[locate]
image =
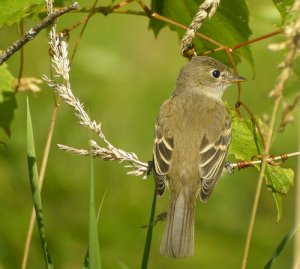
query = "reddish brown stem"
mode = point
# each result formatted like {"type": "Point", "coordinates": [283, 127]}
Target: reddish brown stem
{"type": "Point", "coordinates": [122, 4]}
{"type": "Point", "coordinates": [256, 39]}
{"type": "Point", "coordinates": [154, 15]}
{"type": "Point", "coordinates": [94, 10]}
{"type": "Point", "coordinates": [83, 29]}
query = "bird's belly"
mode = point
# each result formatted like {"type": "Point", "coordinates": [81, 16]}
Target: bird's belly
{"type": "Point", "coordinates": [184, 172]}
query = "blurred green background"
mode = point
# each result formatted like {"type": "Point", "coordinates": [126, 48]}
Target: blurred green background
{"type": "Point", "coordinates": [122, 74]}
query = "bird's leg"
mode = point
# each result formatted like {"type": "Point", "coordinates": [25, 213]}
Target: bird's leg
{"type": "Point", "coordinates": [150, 167]}
{"type": "Point", "coordinates": [229, 167]}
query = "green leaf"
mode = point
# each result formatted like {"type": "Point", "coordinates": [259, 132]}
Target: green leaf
{"type": "Point", "coordinates": [229, 26]}
{"type": "Point", "coordinates": [34, 183]}
{"type": "Point", "coordinates": [279, 180]}
{"type": "Point", "coordinates": [281, 246]}
{"type": "Point", "coordinates": [94, 249]}
{"type": "Point", "coordinates": [6, 81]}
{"type": "Point", "coordinates": [7, 99]}
{"type": "Point", "coordinates": [284, 7]}
{"type": "Point", "coordinates": [86, 258]}
{"type": "Point", "coordinates": [246, 144]}
{"type": "Point", "coordinates": [12, 11]}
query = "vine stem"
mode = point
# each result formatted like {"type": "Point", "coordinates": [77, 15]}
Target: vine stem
{"type": "Point", "coordinates": [287, 64]}
{"type": "Point", "coordinates": [259, 184]}
{"type": "Point", "coordinates": [296, 259]}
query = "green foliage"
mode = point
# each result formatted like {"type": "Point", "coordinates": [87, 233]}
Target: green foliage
{"type": "Point", "coordinates": [243, 145]}
{"type": "Point", "coordinates": [281, 246]}
{"type": "Point", "coordinates": [229, 26]}
{"type": "Point", "coordinates": [7, 99]}
{"type": "Point", "coordinates": [246, 144]}
{"type": "Point", "coordinates": [6, 81]}
{"type": "Point", "coordinates": [284, 7]}
{"type": "Point", "coordinates": [34, 183]}
{"type": "Point", "coordinates": [279, 180]}
{"type": "Point", "coordinates": [12, 11]}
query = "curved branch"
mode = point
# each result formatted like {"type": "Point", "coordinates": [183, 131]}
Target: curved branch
{"type": "Point", "coordinates": [32, 32]}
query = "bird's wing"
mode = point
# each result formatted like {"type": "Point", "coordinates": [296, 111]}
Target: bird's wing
{"type": "Point", "coordinates": [213, 150]}
{"type": "Point", "coordinates": [162, 149]}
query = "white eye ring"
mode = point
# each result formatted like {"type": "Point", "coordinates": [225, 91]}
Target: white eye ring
{"type": "Point", "coordinates": [216, 73]}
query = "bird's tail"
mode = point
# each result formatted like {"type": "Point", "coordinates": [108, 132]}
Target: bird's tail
{"type": "Point", "coordinates": [178, 239]}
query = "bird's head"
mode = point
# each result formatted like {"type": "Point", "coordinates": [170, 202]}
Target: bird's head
{"type": "Point", "coordinates": [206, 75]}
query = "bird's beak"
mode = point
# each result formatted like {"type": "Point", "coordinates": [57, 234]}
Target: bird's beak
{"type": "Point", "coordinates": [236, 78]}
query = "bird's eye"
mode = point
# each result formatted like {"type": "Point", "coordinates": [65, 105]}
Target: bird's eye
{"type": "Point", "coordinates": [216, 73]}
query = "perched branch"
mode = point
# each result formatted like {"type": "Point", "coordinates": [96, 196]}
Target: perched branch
{"type": "Point", "coordinates": [207, 9]}
{"type": "Point", "coordinates": [270, 160]}
{"type": "Point", "coordinates": [32, 33]}
{"type": "Point", "coordinates": [61, 65]}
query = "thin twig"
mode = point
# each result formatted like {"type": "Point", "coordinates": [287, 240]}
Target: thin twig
{"type": "Point", "coordinates": [292, 32]}
{"type": "Point", "coordinates": [104, 10]}
{"type": "Point", "coordinates": [122, 4]}
{"type": "Point", "coordinates": [246, 43]}
{"type": "Point", "coordinates": [32, 33]}
{"type": "Point", "coordinates": [270, 159]}
{"type": "Point", "coordinates": [82, 30]}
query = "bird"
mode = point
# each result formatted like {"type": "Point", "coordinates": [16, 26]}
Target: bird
{"type": "Point", "coordinates": [192, 136]}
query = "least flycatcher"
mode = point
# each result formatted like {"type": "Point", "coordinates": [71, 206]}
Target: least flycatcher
{"type": "Point", "coordinates": [192, 136]}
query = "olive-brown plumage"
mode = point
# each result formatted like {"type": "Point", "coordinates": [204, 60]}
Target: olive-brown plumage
{"type": "Point", "coordinates": [192, 136]}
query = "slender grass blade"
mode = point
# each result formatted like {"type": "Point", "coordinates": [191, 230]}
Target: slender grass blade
{"type": "Point", "coordinates": [36, 195]}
